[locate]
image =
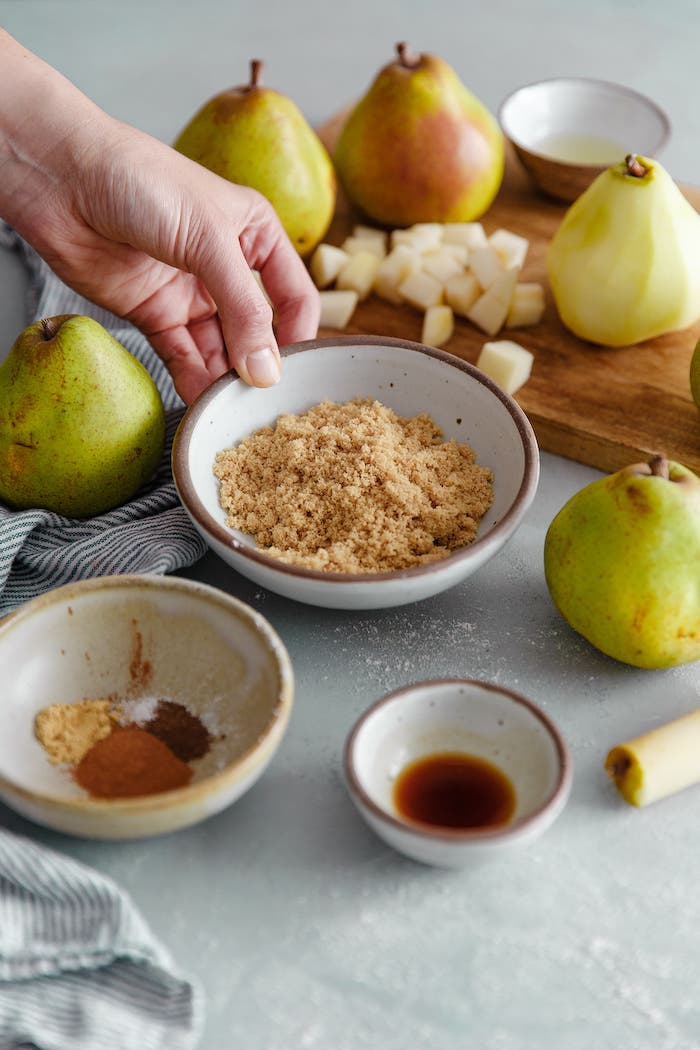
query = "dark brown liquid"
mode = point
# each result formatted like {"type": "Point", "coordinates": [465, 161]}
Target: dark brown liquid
{"type": "Point", "coordinates": [454, 790]}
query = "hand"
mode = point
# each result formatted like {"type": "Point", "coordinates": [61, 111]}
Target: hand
{"type": "Point", "coordinates": [153, 237]}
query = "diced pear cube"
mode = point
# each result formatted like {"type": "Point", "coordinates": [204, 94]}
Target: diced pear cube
{"type": "Point", "coordinates": [421, 290]}
{"type": "Point", "coordinates": [337, 307]}
{"type": "Point", "coordinates": [511, 247]}
{"type": "Point", "coordinates": [394, 269]}
{"type": "Point", "coordinates": [470, 234]}
{"type": "Point", "coordinates": [441, 264]}
{"type": "Point", "coordinates": [457, 251]}
{"type": "Point", "coordinates": [485, 263]}
{"type": "Point", "coordinates": [507, 363]}
{"type": "Point", "coordinates": [461, 292]}
{"type": "Point", "coordinates": [438, 325]}
{"type": "Point", "coordinates": [491, 308]}
{"type": "Point", "coordinates": [527, 307]}
{"type": "Point", "coordinates": [421, 235]}
{"type": "Point", "coordinates": [358, 273]}
{"type": "Point", "coordinates": [370, 233]}
{"type": "Point", "coordinates": [355, 245]}
{"type": "Point", "coordinates": [326, 263]}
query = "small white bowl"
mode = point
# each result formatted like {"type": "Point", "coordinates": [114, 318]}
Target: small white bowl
{"type": "Point", "coordinates": [410, 379]}
{"type": "Point", "coordinates": [566, 130]}
{"type": "Point", "coordinates": [457, 715]}
{"type": "Point", "coordinates": [134, 637]}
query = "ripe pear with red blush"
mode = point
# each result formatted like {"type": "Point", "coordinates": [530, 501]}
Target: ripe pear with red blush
{"type": "Point", "coordinates": [419, 146]}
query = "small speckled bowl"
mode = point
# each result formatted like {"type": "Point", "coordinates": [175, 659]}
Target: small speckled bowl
{"type": "Point", "coordinates": [137, 637]}
{"type": "Point", "coordinates": [457, 715]}
{"type": "Point", "coordinates": [410, 379]}
{"type": "Point", "coordinates": [547, 120]}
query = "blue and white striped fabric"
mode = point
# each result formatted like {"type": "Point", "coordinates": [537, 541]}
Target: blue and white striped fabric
{"type": "Point", "coordinates": [79, 967]}
{"type": "Point", "coordinates": [40, 550]}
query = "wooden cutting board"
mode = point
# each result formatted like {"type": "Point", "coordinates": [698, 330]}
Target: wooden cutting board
{"type": "Point", "coordinates": [602, 407]}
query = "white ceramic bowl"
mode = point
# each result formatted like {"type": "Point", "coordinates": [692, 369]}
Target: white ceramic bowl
{"type": "Point", "coordinates": [457, 715]}
{"type": "Point", "coordinates": [567, 130]}
{"type": "Point", "coordinates": [131, 637]}
{"type": "Point", "coordinates": [410, 379]}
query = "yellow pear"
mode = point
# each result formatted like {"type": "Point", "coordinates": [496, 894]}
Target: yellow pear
{"type": "Point", "coordinates": [257, 137]}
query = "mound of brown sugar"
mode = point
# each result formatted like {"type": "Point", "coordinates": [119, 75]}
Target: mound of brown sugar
{"type": "Point", "coordinates": [354, 488]}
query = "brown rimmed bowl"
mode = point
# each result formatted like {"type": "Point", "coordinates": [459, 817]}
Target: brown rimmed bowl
{"type": "Point", "coordinates": [474, 718]}
{"type": "Point", "coordinates": [132, 638]}
{"type": "Point", "coordinates": [410, 379]}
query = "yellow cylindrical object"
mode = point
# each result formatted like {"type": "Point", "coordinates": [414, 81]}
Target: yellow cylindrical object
{"type": "Point", "coordinates": [659, 763]}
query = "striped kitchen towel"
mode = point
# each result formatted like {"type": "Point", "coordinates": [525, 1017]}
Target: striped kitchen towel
{"type": "Point", "coordinates": [40, 550]}
{"type": "Point", "coordinates": [79, 967]}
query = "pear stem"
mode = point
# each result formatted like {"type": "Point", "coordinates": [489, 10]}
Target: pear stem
{"type": "Point", "coordinates": [634, 166]}
{"type": "Point", "coordinates": [406, 57]}
{"type": "Point", "coordinates": [256, 68]}
{"type": "Point", "coordinates": [659, 467]}
{"type": "Point", "coordinates": [48, 328]}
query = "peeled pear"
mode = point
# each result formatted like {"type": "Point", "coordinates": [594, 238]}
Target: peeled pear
{"type": "Point", "coordinates": [624, 265]}
{"type": "Point", "coordinates": [622, 564]}
{"type": "Point", "coordinates": [82, 425]}
{"type": "Point", "coordinates": [695, 375]}
{"type": "Point", "coordinates": [420, 147]}
{"type": "Point", "coordinates": [659, 763]}
{"type": "Point", "coordinates": [257, 137]}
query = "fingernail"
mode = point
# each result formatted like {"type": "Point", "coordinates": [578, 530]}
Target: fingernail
{"type": "Point", "coordinates": [263, 367]}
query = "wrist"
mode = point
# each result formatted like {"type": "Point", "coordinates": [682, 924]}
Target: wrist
{"type": "Point", "coordinates": [43, 124]}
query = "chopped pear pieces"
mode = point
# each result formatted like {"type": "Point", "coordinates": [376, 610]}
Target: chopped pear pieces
{"type": "Point", "coordinates": [485, 263]}
{"type": "Point", "coordinates": [358, 273]}
{"type": "Point", "coordinates": [490, 310]}
{"type": "Point", "coordinates": [507, 363]}
{"type": "Point", "coordinates": [399, 264]}
{"type": "Point", "coordinates": [453, 265]}
{"type": "Point", "coordinates": [470, 234]}
{"type": "Point", "coordinates": [438, 325]}
{"type": "Point", "coordinates": [326, 263]}
{"type": "Point", "coordinates": [527, 305]}
{"type": "Point", "coordinates": [659, 763]}
{"type": "Point", "coordinates": [421, 290]}
{"type": "Point", "coordinates": [354, 245]}
{"type": "Point", "coordinates": [511, 248]}
{"type": "Point", "coordinates": [461, 292]}
{"type": "Point", "coordinates": [337, 307]}
{"type": "Point", "coordinates": [442, 264]}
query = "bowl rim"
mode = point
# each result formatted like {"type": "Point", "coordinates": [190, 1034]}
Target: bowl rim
{"type": "Point", "coordinates": [459, 836]}
{"type": "Point", "coordinates": [211, 527]}
{"type": "Point", "coordinates": [614, 86]}
{"type": "Point", "coordinates": [245, 763]}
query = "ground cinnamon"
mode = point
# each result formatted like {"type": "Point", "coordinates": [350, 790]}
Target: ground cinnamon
{"type": "Point", "coordinates": [128, 763]}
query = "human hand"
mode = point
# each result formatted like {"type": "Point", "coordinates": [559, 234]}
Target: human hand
{"type": "Point", "coordinates": [153, 237]}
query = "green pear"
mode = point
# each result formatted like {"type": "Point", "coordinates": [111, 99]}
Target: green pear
{"type": "Point", "coordinates": [420, 147]}
{"type": "Point", "coordinates": [82, 425]}
{"type": "Point", "coordinates": [695, 375]}
{"type": "Point", "coordinates": [622, 564]}
{"type": "Point", "coordinates": [624, 264]}
{"type": "Point", "coordinates": [256, 137]}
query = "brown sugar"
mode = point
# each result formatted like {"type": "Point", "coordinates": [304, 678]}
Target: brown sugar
{"type": "Point", "coordinates": [354, 488]}
{"type": "Point", "coordinates": [68, 731]}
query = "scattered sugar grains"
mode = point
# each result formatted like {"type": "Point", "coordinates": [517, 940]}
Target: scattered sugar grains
{"type": "Point", "coordinates": [354, 488]}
